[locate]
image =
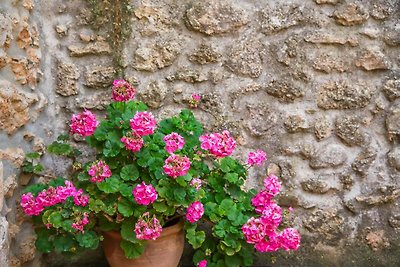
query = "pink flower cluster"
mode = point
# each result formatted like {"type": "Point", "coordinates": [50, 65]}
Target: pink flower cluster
{"type": "Point", "coordinates": [194, 212]}
{"type": "Point", "coordinates": [123, 91]}
{"type": "Point", "coordinates": [81, 222]}
{"type": "Point", "coordinates": [132, 141]}
{"type": "Point", "coordinates": [84, 124]}
{"type": "Point", "coordinates": [147, 228]}
{"type": "Point", "coordinates": [256, 158]}
{"type": "Point", "coordinates": [143, 123]}
{"type": "Point", "coordinates": [99, 171]}
{"type": "Point", "coordinates": [52, 196]}
{"type": "Point", "coordinates": [196, 183]}
{"type": "Point", "coordinates": [262, 231]}
{"type": "Point", "coordinates": [176, 165]}
{"type": "Point", "coordinates": [144, 194]}
{"type": "Point", "coordinates": [218, 144]}
{"type": "Point", "coordinates": [173, 142]}
{"type": "Point", "coordinates": [202, 263]}
{"type": "Point", "coordinates": [263, 199]}
{"type": "Point", "coordinates": [194, 102]}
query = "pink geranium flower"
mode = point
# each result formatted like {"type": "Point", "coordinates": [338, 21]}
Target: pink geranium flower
{"type": "Point", "coordinates": [132, 141]}
{"type": "Point", "coordinates": [173, 142]}
{"type": "Point", "coordinates": [194, 212]}
{"type": "Point", "coordinates": [99, 171]}
{"type": "Point", "coordinates": [148, 228]}
{"type": "Point", "coordinates": [144, 194]}
{"type": "Point", "coordinates": [123, 91]}
{"type": "Point", "coordinates": [84, 124]}
{"type": "Point", "coordinates": [143, 123]}
{"type": "Point", "coordinates": [218, 144]}
{"type": "Point", "coordinates": [176, 165]}
{"type": "Point", "coordinates": [256, 158]}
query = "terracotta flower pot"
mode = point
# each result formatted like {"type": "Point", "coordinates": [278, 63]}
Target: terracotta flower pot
{"type": "Point", "coordinates": [165, 251]}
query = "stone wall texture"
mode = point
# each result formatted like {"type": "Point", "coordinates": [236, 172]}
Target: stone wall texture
{"type": "Point", "coordinates": [315, 83]}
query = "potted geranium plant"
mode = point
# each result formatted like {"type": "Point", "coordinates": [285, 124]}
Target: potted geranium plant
{"type": "Point", "coordinates": [149, 175]}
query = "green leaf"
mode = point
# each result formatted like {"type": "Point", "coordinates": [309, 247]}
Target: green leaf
{"type": "Point", "coordinates": [126, 190]}
{"type": "Point", "coordinates": [32, 155]}
{"type": "Point", "coordinates": [231, 177]}
{"type": "Point", "coordinates": [109, 185]}
{"type": "Point", "coordinates": [132, 250]}
{"type": "Point", "coordinates": [180, 194]}
{"type": "Point", "coordinates": [88, 240]}
{"type": "Point", "coordinates": [43, 242]}
{"type": "Point", "coordinates": [127, 231]}
{"type": "Point", "coordinates": [58, 148]}
{"type": "Point", "coordinates": [160, 206]}
{"type": "Point", "coordinates": [125, 207]}
{"type": "Point", "coordinates": [233, 261]}
{"type": "Point", "coordinates": [63, 243]}
{"type": "Point", "coordinates": [195, 238]}
{"type": "Point", "coordinates": [129, 172]}
{"type": "Point", "coordinates": [56, 219]}
{"type": "Point", "coordinates": [226, 205]}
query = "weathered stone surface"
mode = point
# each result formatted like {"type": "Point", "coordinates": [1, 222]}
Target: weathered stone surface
{"type": "Point", "coordinates": [4, 241]}
{"type": "Point", "coordinates": [295, 124]}
{"type": "Point", "coordinates": [15, 156]}
{"type": "Point", "coordinates": [350, 14]}
{"type": "Point", "coordinates": [27, 249]}
{"type": "Point", "coordinates": [377, 240]}
{"type": "Point", "coordinates": [61, 30]}
{"type": "Point", "coordinates": [289, 51]}
{"type": "Point", "coordinates": [393, 120]}
{"type": "Point", "coordinates": [154, 94]}
{"type": "Point", "coordinates": [329, 63]}
{"type": "Point", "coordinates": [2, 189]}
{"type": "Point", "coordinates": [25, 70]}
{"type": "Point", "coordinates": [97, 101]}
{"type": "Point", "coordinates": [348, 130]}
{"type": "Point", "coordinates": [205, 54]}
{"type": "Point", "coordinates": [391, 36]}
{"type": "Point", "coordinates": [342, 95]}
{"type": "Point", "coordinates": [328, 38]}
{"type": "Point", "coordinates": [259, 118]}
{"type": "Point", "coordinates": [3, 58]}
{"type": "Point", "coordinates": [10, 184]}
{"type": "Point", "coordinates": [372, 59]}
{"type": "Point", "coordinates": [245, 58]}
{"type": "Point", "coordinates": [329, 157]}
{"type": "Point", "coordinates": [95, 48]}
{"type": "Point", "coordinates": [347, 181]}
{"type": "Point", "coordinates": [391, 88]}
{"type": "Point", "coordinates": [5, 31]}
{"type": "Point", "coordinates": [387, 194]}
{"type": "Point", "coordinates": [215, 17]}
{"type": "Point", "coordinates": [315, 186]}
{"type": "Point", "coordinates": [394, 220]}
{"type": "Point", "coordinates": [381, 10]}
{"type": "Point", "coordinates": [160, 54]}
{"type": "Point", "coordinates": [99, 76]}
{"type": "Point", "coordinates": [326, 223]}
{"type": "Point", "coordinates": [282, 17]}
{"type": "Point", "coordinates": [323, 128]}
{"type": "Point", "coordinates": [14, 107]}
{"type": "Point", "coordinates": [363, 161]}
{"type": "Point", "coordinates": [331, 2]}
{"type": "Point", "coordinates": [188, 75]}
{"type": "Point", "coordinates": [67, 76]}
{"type": "Point", "coordinates": [394, 158]}
{"type": "Point", "coordinates": [285, 90]}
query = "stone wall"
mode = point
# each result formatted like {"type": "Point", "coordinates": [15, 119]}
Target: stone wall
{"type": "Point", "coordinates": [315, 83]}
